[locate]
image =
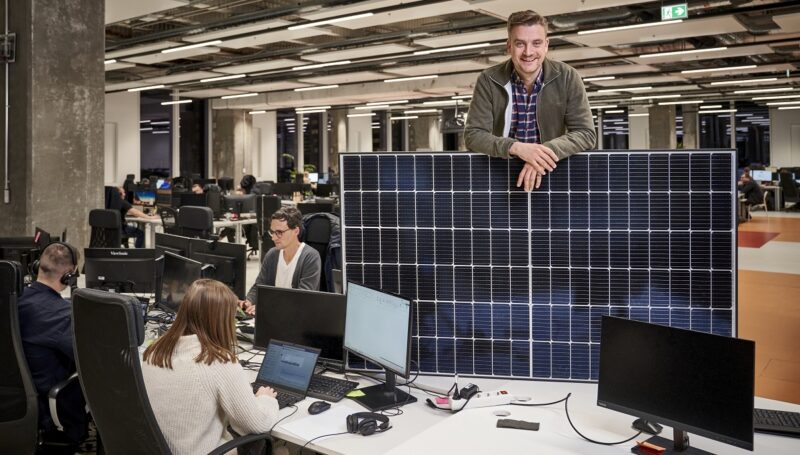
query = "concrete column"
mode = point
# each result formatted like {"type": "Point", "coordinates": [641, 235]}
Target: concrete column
{"type": "Point", "coordinates": [638, 128]}
{"type": "Point", "coordinates": [175, 128]}
{"type": "Point", "coordinates": [425, 133]}
{"type": "Point", "coordinates": [122, 137]}
{"type": "Point", "coordinates": [691, 127]}
{"type": "Point", "coordinates": [210, 140]}
{"type": "Point", "coordinates": [406, 135]}
{"type": "Point", "coordinates": [662, 127]}
{"type": "Point", "coordinates": [387, 131]}
{"type": "Point", "coordinates": [324, 142]}
{"type": "Point", "coordinates": [359, 133]}
{"type": "Point", "coordinates": [265, 145]}
{"type": "Point", "coordinates": [55, 137]}
{"type": "Point", "coordinates": [733, 124]}
{"type": "Point", "coordinates": [300, 149]}
{"type": "Point", "coordinates": [599, 120]}
{"type": "Point", "coordinates": [338, 136]}
{"type": "Point", "coordinates": [232, 143]}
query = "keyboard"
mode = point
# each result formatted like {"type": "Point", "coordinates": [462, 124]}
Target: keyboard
{"type": "Point", "coordinates": [284, 399]}
{"type": "Point", "coordinates": [784, 423]}
{"type": "Point", "coordinates": [328, 388]}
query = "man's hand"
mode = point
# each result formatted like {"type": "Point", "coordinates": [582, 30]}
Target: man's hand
{"type": "Point", "coordinates": [540, 157]}
{"type": "Point", "coordinates": [266, 391]}
{"type": "Point", "coordinates": [529, 178]}
{"type": "Point", "coordinates": [248, 307]}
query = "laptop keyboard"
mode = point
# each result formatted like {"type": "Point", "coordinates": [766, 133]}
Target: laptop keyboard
{"type": "Point", "coordinates": [284, 399]}
{"type": "Point", "coordinates": [328, 388]}
{"type": "Point", "coordinates": [782, 422]}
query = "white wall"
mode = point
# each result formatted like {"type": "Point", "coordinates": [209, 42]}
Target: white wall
{"type": "Point", "coordinates": [784, 147]}
{"type": "Point", "coordinates": [638, 129]}
{"type": "Point", "coordinates": [359, 133]}
{"type": "Point", "coordinates": [122, 147]}
{"type": "Point", "coordinates": [265, 146]}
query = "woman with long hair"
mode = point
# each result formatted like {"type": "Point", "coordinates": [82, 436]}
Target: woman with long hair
{"type": "Point", "coordinates": [194, 381]}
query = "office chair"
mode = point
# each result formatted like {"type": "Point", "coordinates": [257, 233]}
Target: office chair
{"type": "Point", "coordinates": [789, 189]}
{"type": "Point", "coordinates": [307, 208]}
{"type": "Point", "coordinates": [169, 220]}
{"type": "Point", "coordinates": [265, 206]}
{"type": "Point", "coordinates": [19, 406]}
{"type": "Point", "coordinates": [317, 234]}
{"type": "Point", "coordinates": [338, 285]}
{"type": "Point", "coordinates": [111, 374]}
{"type": "Point", "coordinates": [196, 222]}
{"type": "Point", "coordinates": [106, 227]}
{"type": "Point", "coordinates": [761, 205]}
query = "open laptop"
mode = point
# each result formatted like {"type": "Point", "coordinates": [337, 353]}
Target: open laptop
{"type": "Point", "coordinates": [287, 368]}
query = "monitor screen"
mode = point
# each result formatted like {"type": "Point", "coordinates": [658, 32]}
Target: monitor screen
{"type": "Point", "coordinates": [761, 176]}
{"type": "Point", "coordinates": [145, 198]}
{"type": "Point", "coordinates": [691, 381]}
{"type": "Point", "coordinates": [313, 177]}
{"type": "Point", "coordinates": [288, 365]}
{"type": "Point", "coordinates": [378, 326]}
{"type": "Point", "coordinates": [179, 274]}
{"type": "Point", "coordinates": [283, 314]}
{"type": "Point", "coordinates": [121, 269]}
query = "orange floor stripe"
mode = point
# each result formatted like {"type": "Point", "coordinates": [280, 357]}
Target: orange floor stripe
{"type": "Point", "coordinates": [754, 239]}
{"type": "Point", "coordinates": [789, 228]}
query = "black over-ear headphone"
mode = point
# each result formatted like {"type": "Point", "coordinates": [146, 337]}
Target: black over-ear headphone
{"type": "Point", "coordinates": [69, 277]}
{"type": "Point", "coordinates": [366, 423]}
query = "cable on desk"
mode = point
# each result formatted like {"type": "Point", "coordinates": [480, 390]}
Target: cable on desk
{"type": "Point", "coordinates": [283, 418]}
{"type": "Point", "coordinates": [566, 409]}
{"type": "Point", "coordinates": [319, 437]}
{"type": "Point", "coordinates": [539, 404]}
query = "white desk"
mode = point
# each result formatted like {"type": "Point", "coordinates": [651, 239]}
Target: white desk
{"type": "Point", "coordinates": [422, 430]}
{"type": "Point", "coordinates": [150, 226]}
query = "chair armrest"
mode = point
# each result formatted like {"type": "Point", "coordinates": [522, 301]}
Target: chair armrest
{"type": "Point", "coordinates": [240, 441]}
{"type": "Point", "coordinates": [52, 397]}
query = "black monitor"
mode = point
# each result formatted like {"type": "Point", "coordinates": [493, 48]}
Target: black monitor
{"type": "Point", "coordinates": [164, 198]}
{"type": "Point", "coordinates": [263, 188]}
{"type": "Point", "coordinates": [325, 189]}
{"type": "Point", "coordinates": [163, 184]}
{"type": "Point", "coordinates": [229, 261]}
{"type": "Point", "coordinates": [121, 269]}
{"type": "Point", "coordinates": [179, 273]}
{"type": "Point", "coordinates": [144, 198]}
{"type": "Point", "coordinates": [240, 203]}
{"type": "Point", "coordinates": [283, 189]}
{"type": "Point", "coordinates": [41, 239]}
{"type": "Point", "coordinates": [692, 381]}
{"type": "Point", "coordinates": [20, 249]}
{"type": "Point", "coordinates": [175, 244]}
{"type": "Point", "coordinates": [378, 328]}
{"type": "Point", "coordinates": [307, 208]}
{"type": "Point", "coordinates": [198, 200]}
{"type": "Point", "coordinates": [309, 318]}
{"type": "Point", "coordinates": [225, 183]}
{"type": "Point", "coordinates": [204, 182]}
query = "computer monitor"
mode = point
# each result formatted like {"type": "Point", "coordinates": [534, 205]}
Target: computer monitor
{"type": "Point", "coordinates": [225, 183]}
{"type": "Point", "coordinates": [20, 249]}
{"type": "Point", "coordinates": [179, 273]}
{"type": "Point", "coordinates": [121, 269]}
{"type": "Point", "coordinates": [204, 182]}
{"type": "Point", "coordinates": [378, 328]}
{"type": "Point", "coordinates": [198, 200]}
{"type": "Point", "coordinates": [175, 244]}
{"type": "Point", "coordinates": [283, 189]}
{"type": "Point", "coordinates": [692, 381]}
{"type": "Point", "coordinates": [313, 177]}
{"type": "Point", "coordinates": [284, 314]}
{"type": "Point", "coordinates": [240, 203]}
{"type": "Point", "coordinates": [144, 198]}
{"type": "Point", "coordinates": [307, 208]}
{"type": "Point", "coordinates": [761, 176]}
{"type": "Point", "coordinates": [325, 189]}
{"type": "Point", "coordinates": [229, 261]}
{"type": "Point", "coordinates": [41, 238]}
{"type": "Point", "coordinates": [163, 184]}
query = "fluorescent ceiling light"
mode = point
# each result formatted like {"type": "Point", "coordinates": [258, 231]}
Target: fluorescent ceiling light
{"type": "Point", "coordinates": [361, 108]}
{"type": "Point", "coordinates": [625, 89]}
{"type": "Point", "coordinates": [616, 111]}
{"type": "Point", "coordinates": [440, 103]}
{"type": "Point", "coordinates": [312, 108]}
{"type": "Point", "coordinates": [421, 111]}
{"type": "Point", "coordinates": [712, 70]}
{"type": "Point", "coordinates": [319, 87]}
{"type": "Point", "coordinates": [638, 115]}
{"type": "Point", "coordinates": [598, 78]}
{"type": "Point", "coordinates": [164, 122]}
{"type": "Point", "coordinates": [628, 27]}
{"type": "Point", "coordinates": [786, 108]}
{"type": "Point", "coordinates": [320, 65]}
{"type": "Point", "coordinates": [168, 103]}
{"type": "Point", "coordinates": [329, 21]}
{"type": "Point", "coordinates": [405, 117]}
{"type": "Point", "coordinates": [717, 111]}
{"type": "Point", "coordinates": [144, 121]}
{"type": "Point", "coordinates": [109, 62]}
{"type": "Point", "coordinates": [371, 114]}
{"type": "Point", "coordinates": [649, 97]}
{"type": "Point", "coordinates": [461, 97]}
{"type": "Point", "coordinates": [764, 90]}
{"type": "Point", "coordinates": [146, 129]}
{"type": "Point", "coordinates": [223, 78]}
{"type": "Point", "coordinates": [311, 112]}
{"type": "Point", "coordinates": [667, 103]}
{"type": "Point", "coordinates": [711, 106]}
{"type": "Point", "coordinates": [257, 112]}
{"type": "Point", "coordinates": [241, 95]}
{"type": "Point", "coordinates": [692, 51]}
{"type": "Point", "coordinates": [382, 103]}
{"type": "Point", "coordinates": [776, 97]}
{"type": "Point", "coordinates": [150, 87]}
{"type": "Point", "coordinates": [783, 103]}
{"type": "Point", "coordinates": [413, 78]}
{"type": "Point", "coordinates": [191, 46]}
{"type": "Point", "coordinates": [454, 48]}
{"type": "Point", "coordinates": [748, 81]}
{"type": "Point", "coordinates": [160, 132]}
{"type": "Point", "coordinates": [605, 106]}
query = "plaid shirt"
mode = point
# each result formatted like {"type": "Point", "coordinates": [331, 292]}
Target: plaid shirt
{"type": "Point", "coordinates": [523, 111]}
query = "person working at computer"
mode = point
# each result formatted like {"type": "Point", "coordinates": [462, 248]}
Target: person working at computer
{"type": "Point", "coordinates": [45, 321]}
{"type": "Point", "coordinates": [194, 382]}
{"type": "Point", "coordinates": [115, 200]}
{"type": "Point", "coordinates": [529, 107]}
{"type": "Point", "coordinates": [290, 263]}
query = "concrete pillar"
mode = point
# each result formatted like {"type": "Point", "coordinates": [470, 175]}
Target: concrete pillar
{"type": "Point", "coordinates": [387, 131]}
{"type": "Point", "coordinates": [599, 122]}
{"type": "Point", "coordinates": [175, 127]}
{"type": "Point", "coordinates": [733, 124]}
{"type": "Point", "coordinates": [359, 133]}
{"type": "Point", "coordinates": [406, 136]}
{"type": "Point", "coordinates": [638, 128]}
{"type": "Point", "coordinates": [231, 154]}
{"type": "Point", "coordinates": [55, 137]}
{"type": "Point", "coordinates": [265, 146]}
{"type": "Point", "coordinates": [300, 147]}
{"type": "Point", "coordinates": [691, 127]}
{"type": "Point", "coordinates": [324, 144]}
{"type": "Point", "coordinates": [425, 133]}
{"type": "Point", "coordinates": [338, 136]}
{"type": "Point", "coordinates": [662, 127]}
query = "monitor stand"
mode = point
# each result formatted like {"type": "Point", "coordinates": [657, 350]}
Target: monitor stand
{"type": "Point", "coordinates": [678, 446]}
{"type": "Point", "coordinates": [384, 396]}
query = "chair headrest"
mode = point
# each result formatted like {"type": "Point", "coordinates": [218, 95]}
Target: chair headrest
{"type": "Point", "coordinates": [196, 217]}
{"type": "Point", "coordinates": [131, 305]}
{"type": "Point", "coordinates": [105, 218]}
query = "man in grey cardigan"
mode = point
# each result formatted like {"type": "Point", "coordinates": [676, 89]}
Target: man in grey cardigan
{"type": "Point", "coordinates": [528, 106]}
{"type": "Point", "coordinates": [290, 263]}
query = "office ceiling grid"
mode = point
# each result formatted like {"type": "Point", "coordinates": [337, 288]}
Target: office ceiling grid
{"type": "Point", "coordinates": [512, 284]}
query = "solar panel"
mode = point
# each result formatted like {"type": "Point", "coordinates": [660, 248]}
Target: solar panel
{"type": "Point", "coordinates": [514, 284]}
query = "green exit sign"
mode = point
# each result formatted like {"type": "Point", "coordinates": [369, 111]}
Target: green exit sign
{"type": "Point", "coordinates": [674, 12]}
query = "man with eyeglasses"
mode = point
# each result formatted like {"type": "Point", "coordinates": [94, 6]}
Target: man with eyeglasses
{"type": "Point", "coordinates": [290, 263]}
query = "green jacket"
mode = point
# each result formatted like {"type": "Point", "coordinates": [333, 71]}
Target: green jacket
{"type": "Point", "coordinates": [562, 111]}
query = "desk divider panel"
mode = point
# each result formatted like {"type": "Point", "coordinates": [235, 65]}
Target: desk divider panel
{"type": "Point", "coordinates": [514, 284]}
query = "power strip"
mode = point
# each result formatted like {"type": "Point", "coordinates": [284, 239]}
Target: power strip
{"type": "Point", "coordinates": [482, 400]}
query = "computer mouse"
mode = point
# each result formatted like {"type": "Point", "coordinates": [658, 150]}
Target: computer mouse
{"type": "Point", "coordinates": [318, 406]}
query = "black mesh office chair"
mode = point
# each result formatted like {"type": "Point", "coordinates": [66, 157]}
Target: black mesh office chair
{"type": "Point", "coordinates": [789, 189]}
{"type": "Point", "coordinates": [196, 222]}
{"type": "Point", "coordinates": [19, 407]}
{"type": "Point", "coordinates": [265, 207]}
{"type": "Point", "coordinates": [317, 234]}
{"type": "Point", "coordinates": [111, 375]}
{"type": "Point", "coordinates": [169, 220]}
{"type": "Point", "coordinates": [106, 227]}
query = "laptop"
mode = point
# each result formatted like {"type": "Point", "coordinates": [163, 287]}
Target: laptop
{"type": "Point", "coordinates": [287, 368]}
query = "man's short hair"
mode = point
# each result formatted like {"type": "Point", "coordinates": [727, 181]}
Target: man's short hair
{"type": "Point", "coordinates": [291, 215]}
{"type": "Point", "coordinates": [528, 18]}
{"type": "Point", "coordinates": [57, 260]}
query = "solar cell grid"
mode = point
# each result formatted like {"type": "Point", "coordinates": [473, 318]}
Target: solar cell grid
{"type": "Point", "coordinates": [514, 284]}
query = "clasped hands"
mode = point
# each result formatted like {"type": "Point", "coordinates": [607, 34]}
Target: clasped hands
{"type": "Point", "coordinates": [538, 161]}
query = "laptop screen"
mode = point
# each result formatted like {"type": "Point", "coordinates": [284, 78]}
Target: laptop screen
{"type": "Point", "coordinates": [288, 366]}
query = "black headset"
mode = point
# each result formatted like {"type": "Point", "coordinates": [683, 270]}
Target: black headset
{"type": "Point", "coordinates": [366, 423]}
{"type": "Point", "coordinates": [68, 278]}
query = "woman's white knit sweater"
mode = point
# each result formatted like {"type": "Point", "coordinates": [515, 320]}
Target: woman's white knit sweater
{"type": "Point", "coordinates": [194, 402]}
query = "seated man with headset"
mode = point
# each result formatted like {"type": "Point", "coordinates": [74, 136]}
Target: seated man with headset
{"type": "Point", "coordinates": [45, 320]}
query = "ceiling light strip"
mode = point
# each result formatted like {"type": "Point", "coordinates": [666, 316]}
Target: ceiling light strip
{"type": "Point", "coordinates": [335, 20]}
{"type": "Point", "coordinates": [191, 46]}
{"type": "Point", "coordinates": [691, 51]}
{"type": "Point", "coordinates": [628, 27]}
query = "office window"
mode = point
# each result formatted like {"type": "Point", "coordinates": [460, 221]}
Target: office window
{"type": "Point", "coordinates": [287, 145]}
{"type": "Point", "coordinates": [155, 129]}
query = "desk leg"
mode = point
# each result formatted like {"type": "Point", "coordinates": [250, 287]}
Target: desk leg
{"type": "Point", "coordinates": [150, 238]}
{"type": "Point", "coordinates": [238, 228]}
